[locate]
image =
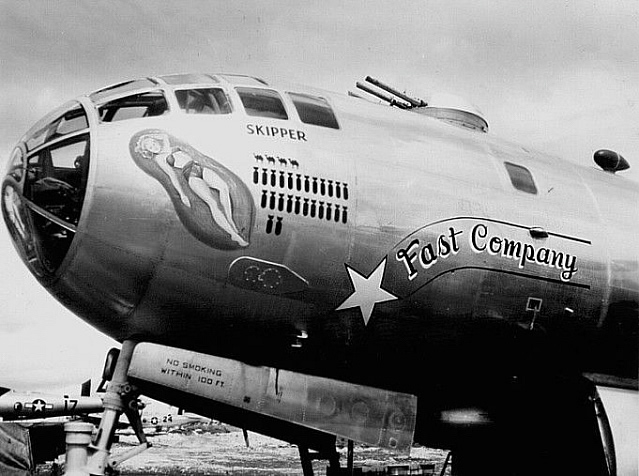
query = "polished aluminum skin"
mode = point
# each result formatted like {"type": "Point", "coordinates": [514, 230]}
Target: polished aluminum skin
{"type": "Point", "coordinates": [365, 249]}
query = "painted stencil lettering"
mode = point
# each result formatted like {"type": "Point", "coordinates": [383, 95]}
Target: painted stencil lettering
{"type": "Point", "coordinates": [275, 132]}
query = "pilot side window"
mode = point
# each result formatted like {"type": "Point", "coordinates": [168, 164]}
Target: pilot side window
{"type": "Point", "coordinates": [134, 107]}
{"type": "Point", "coordinates": [262, 103]}
{"type": "Point", "coordinates": [203, 101]}
{"type": "Point", "coordinates": [314, 110]}
{"type": "Point", "coordinates": [521, 178]}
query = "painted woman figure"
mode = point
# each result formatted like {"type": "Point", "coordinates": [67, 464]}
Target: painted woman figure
{"type": "Point", "coordinates": [203, 181]}
{"type": "Point", "coordinates": [158, 147]}
{"type": "Point", "coordinates": [213, 203]}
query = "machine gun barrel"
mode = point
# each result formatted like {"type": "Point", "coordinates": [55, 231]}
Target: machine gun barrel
{"type": "Point", "coordinates": [392, 101]}
{"type": "Point", "coordinates": [412, 101]}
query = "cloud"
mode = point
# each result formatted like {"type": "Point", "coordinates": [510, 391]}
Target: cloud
{"type": "Point", "coordinates": [52, 355]}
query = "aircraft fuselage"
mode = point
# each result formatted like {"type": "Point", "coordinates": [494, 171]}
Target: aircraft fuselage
{"type": "Point", "coordinates": [378, 246]}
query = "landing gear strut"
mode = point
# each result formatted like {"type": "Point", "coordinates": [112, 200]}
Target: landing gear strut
{"type": "Point", "coordinates": [307, 458]}
{"type": "Point", "coordinates": [334, 468]}
{"type": "Point", "coordinates": [121, 397]}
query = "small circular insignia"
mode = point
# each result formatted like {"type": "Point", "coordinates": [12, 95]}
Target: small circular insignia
{"type": "Point", "coordinates": [39, 405]}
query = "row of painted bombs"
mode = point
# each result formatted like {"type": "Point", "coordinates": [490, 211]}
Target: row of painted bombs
{"type": "Point", "coordinates": [304, 206]}
{"type": "Point", "coordinates": [301, 183]}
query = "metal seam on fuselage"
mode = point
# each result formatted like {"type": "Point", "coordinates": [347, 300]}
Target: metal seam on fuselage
{"type": "Point", "coordinates": [497, 270]}
{"type": "Point", "coordinates": [607, 289]}
{"type": "Point", "coordinates": [153, 268]}
{"type": "Point", "coordinates": [491, 220]}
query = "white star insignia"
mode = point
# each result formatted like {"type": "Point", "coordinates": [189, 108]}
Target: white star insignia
{"type": "Point", "coordinates": [367, 291]}
{"type": "Point", "coordinates": [38, 405]}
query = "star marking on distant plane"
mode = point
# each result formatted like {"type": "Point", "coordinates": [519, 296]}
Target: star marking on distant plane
{"type": "Point", "coordinates": [367, 291]}
{"type": "Point", "coordinates": [39, 405]}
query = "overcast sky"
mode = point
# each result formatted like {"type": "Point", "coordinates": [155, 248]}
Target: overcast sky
{"type": "Point", "coordinates": [559, 76]}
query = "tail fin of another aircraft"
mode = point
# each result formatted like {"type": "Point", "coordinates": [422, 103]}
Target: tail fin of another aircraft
{"type": "Point", "coordinates": [86, 389]}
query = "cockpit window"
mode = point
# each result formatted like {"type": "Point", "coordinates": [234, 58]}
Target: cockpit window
{"type": "Point", "coordinates": [69, 156]}
{"type": "Point", "coordinates": [44, 218]}
{"type": "Point", "coordinates": [203, 101]}
{"type": "Point", "coordinates": [71, 121]}
{"type": "Point", "coordinates": [189, 78]}
{"type": "Point", "coordinates": [134, 107]}
{"type": "Point", "coordinates": [56, 178]}
{"type": "Point", "coordinates": [120, 88]}
{"type": "Point", "coordinates": [314, 110]}
{"type": "Point", "coordinates": [262, 103]}
{"type": "Point", "coordinates": [521, 178]}
{"type": "Point", "coordinates": [242, 80]}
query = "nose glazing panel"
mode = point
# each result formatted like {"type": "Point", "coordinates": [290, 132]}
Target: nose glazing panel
{"type": "Point", "coordinates": [44, 188]}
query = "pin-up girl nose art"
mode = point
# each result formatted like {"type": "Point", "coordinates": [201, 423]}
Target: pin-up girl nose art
{"type": "Point", "coordinates": [211, 201]}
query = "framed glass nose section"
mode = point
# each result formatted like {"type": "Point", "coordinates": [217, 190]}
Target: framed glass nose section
{"type": "Point", "coordinates": [56, 179]}
{"type": "Point", "coordinates": [43, 218]}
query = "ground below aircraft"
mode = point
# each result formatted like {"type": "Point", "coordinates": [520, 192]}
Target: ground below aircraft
{"type": "Point", "coordinates": [309, 265]}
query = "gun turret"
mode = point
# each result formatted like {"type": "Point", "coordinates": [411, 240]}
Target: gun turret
{"type": "Point", "coordinates": [392, 101]}
{"type": "Point", "coordinates": [446, 108]}
{"type": "Point", "coordinates": [414, 102]}
{"type": "Point", "coordinates": [397, 98]}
